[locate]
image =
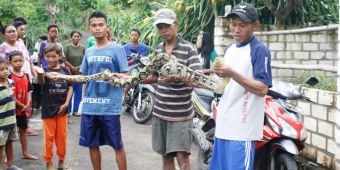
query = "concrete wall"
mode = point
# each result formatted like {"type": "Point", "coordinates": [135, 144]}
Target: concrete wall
{"type": "Point", "coordinates": [319, 120]}
{"type": "Point", "coordinates": [308, 46]}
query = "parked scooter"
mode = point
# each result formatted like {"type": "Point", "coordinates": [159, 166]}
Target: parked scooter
{"type": "Point", "coordinates": [283, 132]}
{"type": "Point", "coordinates": [140, 99]}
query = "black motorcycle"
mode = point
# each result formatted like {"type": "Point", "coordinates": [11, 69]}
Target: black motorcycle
{"type": "Point", "coordinates": [140, 99]}
{"type": "Point", "coordinates": [205, 102]}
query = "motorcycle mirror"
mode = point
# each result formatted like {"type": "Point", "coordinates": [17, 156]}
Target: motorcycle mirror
{"type": "Point", "coordinates": [312, 81]}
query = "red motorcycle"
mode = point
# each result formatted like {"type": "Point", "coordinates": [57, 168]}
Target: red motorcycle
{"type": "Point", "coordinates": [284, 134]}
{"type": "Point", "coordinates": [283, 131]}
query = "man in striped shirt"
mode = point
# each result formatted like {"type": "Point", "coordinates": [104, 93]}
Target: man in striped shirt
{"type": "Point", "coordinates": [173, 109]}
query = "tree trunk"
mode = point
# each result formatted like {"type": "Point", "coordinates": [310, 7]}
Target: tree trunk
{"type": "Point", "coordinates": [281, 13]}
{"type": "Point", "coordinates": [53, 9]}
{"type": "Point", "coordinates": [53, 19]}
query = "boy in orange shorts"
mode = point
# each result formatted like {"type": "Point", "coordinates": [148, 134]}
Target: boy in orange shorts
{"type": "Point", "coordinates": [55, 99]}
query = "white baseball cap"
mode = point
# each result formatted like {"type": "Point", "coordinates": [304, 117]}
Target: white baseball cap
{"type": "Point", "coordinates": [164, 15]}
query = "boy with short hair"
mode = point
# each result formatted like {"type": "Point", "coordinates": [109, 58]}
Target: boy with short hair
{"type": "Point", "coordinates": [101, 108]}
{"type": "Point", "coordinates": [8, 129]}
{"type": "Point", "coordinates": [100, 121]}
{"type": "Point", "coordinates": [55, 100]}
{"type": "Point", "coordinates": [52, 34]}
{"type": "Point", "coordinates": [240, 114]}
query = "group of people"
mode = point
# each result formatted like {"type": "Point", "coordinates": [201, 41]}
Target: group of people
{"type": "Point", "coordinates": [16, 77]}
{"type": "Point", "coordinates": [246, 62]}
{"type": "Point", "coordinates": [55, 96]}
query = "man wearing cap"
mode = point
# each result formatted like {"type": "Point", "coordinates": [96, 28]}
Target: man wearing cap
{"type": "Point", "coordinates": [173, 109]}
{"type": "Point", "coordinates": [240, 114]}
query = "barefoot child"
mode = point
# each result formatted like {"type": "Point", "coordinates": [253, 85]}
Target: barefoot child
{"type": "Point", "coordinates": [8, 129]}
{"type": "Point", "coordinates": [56, 95]}
{"type": "Point", "coordinates": [22, 92]}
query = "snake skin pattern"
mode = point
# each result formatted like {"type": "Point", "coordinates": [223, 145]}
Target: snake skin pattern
{"type": "Point", "coordinates": [165, 64]}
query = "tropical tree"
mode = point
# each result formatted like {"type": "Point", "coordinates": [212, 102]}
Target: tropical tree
{"type": "Point", "coordinates": [196, 15]}
{"type": "Point", "coordinates": [293, 12]}
{"type": "Point", "coordinates": [282, 9]}
{"type": "Point", "coordinates": [193, 16]}
{"type": "Point", "coordinates": [8, 11]}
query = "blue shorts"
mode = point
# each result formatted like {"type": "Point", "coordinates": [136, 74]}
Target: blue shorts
{"type": "Point", "coordinates": [232, 155]}
{"type": "Point", "coordinates": [97, 130]}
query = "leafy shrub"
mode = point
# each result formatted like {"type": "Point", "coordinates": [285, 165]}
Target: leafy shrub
{"type": "Point", "coordinates": [325, 82]}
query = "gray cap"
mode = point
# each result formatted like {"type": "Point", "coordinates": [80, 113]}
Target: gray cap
{"type": "Point", "coordinates": [245, 11]}
{"type": "Point", "coordinates": [164, 15]}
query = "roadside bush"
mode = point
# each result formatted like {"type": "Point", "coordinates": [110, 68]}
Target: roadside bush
{"type": "Point", "coordinates": [325, 82]}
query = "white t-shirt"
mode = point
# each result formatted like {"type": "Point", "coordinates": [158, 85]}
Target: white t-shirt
{"type": "Point", "coordinates": [240, 114]}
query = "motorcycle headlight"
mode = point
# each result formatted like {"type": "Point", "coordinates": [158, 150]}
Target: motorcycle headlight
{"type": "Point", "coordinates": [288, 130]}
{"type": "Point", "coordinates": [294, 116]}
{"type": "Point", "coordinates": [303, 134]}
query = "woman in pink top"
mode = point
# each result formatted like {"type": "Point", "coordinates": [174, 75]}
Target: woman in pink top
{"type": "Point", "coordinates": [12, 44]}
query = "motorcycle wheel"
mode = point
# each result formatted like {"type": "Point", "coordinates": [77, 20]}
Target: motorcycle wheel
{"type": "Point", "coordinates": [285, 161]}
{"type": "Point", "coordinates": [144, 113]}
{"type": "Point", "coordinates": [205, 157]}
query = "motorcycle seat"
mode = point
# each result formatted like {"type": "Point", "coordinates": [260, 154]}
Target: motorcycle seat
{"type": "Point", "coordinates": [283, 90]}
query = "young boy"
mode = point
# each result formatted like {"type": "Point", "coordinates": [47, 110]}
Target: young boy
{"type": "Point", "coordinates": [101, 109]}
{"type": "Point", "coordinates": [241, 108]}
{"type": "Point", "coordinates": [23, 89]}
{"type": "Point", "coordinates": [100, 122]}
{"type": "Point", "coordinates": [8, 129]}
{"type": "Point", "coordinates": [56, 96]}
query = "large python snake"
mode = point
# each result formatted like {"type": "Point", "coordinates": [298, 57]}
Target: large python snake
{"type": "Point", "coordinates": [165, 64]}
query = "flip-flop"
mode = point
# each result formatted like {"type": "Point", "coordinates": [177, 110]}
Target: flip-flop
{"type": "Point", "coordinates": [64, 168]}
{"type": "Point", "coordinates": [31, 132]}
{"type": "Point", "coordinates": [31, 157]}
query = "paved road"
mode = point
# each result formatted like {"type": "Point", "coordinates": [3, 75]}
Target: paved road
{"type": "Point", "coordinates": [137, 140]}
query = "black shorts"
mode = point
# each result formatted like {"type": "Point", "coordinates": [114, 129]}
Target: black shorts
{"type": "Point", "coordinates": [22, 122]}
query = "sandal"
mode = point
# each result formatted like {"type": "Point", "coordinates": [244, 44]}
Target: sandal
{"type": "Point", "coordinates": [14, 167]}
